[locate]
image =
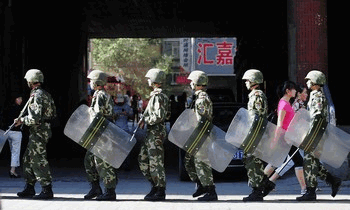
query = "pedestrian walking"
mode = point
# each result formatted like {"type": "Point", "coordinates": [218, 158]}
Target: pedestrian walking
{"type": "Point", "coordinates": [122, 114]}
{"type": "Point", "coordinates": [285, 114]}
{"type": "Point", "coordinates": [198, 171]}
{"type": "Point", "coordinates": [135, 109]}
{"type": "Point", "coordinates": [151, 157]}
{"type": "Point", "coordinates": [95, 167]}
{"type": "Point", "coordinates": [297, 160]}
{"type": "Point", "coordinates": [15, 134]}
{"type": "Point", "coordinates": [40, 111]}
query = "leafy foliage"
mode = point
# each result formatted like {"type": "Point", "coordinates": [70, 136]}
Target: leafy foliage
{"type": "Point", "coordinates": [130, 58]}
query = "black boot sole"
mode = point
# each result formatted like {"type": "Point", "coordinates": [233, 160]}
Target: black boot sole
{"type": "Point", "coordinates": [38, 197]}
{"type": "Point", "coordinates": [247, 199]}
{"type": "Point", "coordinates": [25, 196]}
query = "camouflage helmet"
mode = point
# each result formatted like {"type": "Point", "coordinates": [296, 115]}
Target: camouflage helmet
{"type": "Point", "coordinates": [156, 75]}
{"type": "Point", "coordinates": [316, 77]}
{"type": "Point", "coordinates": [98, 76]}
{"type": "Point", "coordinates": [254, 75]}
{"type": "Point", "coordinates": [34, 75]}
{"type": "Point", "coordinates": [198, 77]}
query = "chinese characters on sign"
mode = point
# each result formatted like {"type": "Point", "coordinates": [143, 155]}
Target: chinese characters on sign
{"type": "Point", "coordinates": [215, 55]}
{"type": "Point", "coordinates": [224, 56]}
{"type": "Point", "coordinates": [224, 53]}
{"type": "Point", "coordinates": [202, 51]}
{"type": "Point", "coordinates": [185, 54]}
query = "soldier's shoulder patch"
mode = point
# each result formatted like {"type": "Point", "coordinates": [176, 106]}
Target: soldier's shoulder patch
{"type": "Point", "coordinates": [202, 95]}
{"type": "Point", "coordinates": [318, 94]}
{"type": "Point", "coordinates": [259, 93]}
{"type": "Point", "coordinates": [37, 93]}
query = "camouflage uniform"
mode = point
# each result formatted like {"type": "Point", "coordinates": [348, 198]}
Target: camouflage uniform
{"type": "Point", "coordinates": [95, 167]}
{"type": "Point", "coordinates": [41, 109]}
{"type": "Point", "coordinates": [257, 105]}
{"type": "Point", "coordinates": [198, 170]}
{"type": "Point", "coordinates": [151, 157]}
{"type": "Point", "coordinates": [312, 166]}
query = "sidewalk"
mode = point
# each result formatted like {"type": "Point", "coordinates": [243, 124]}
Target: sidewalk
{"type": "Point", "coordinates": [70, 185]}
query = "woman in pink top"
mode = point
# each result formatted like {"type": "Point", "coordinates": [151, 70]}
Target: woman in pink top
{"type": "Point", "coordinates": [285, 114]}
{"type": "Point", "coordinates": [285, 111]}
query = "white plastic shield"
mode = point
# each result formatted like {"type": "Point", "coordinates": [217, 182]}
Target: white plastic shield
{"type": "Point", "coordinates": [271, 148]}
{"type": "Point", "coordinates": [103, 138]}
{"type": "Point", "coordinates": [213, 150]}
{"type": "Point", "coordinates": [332, 148]}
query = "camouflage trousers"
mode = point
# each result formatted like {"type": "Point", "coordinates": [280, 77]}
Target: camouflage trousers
{"type": "Point", "coordinates": [35, 164]}
{"type": "Point", "coordinates": [151, 157]}
{"type": "Point", "coordinates": [255, 170]}
{"type": "Point", "coordinates": [198, 170]}
{"type": "Point", "coordinates": [313, 169]}
{"type": "Point", "coordinates": [95, 168]}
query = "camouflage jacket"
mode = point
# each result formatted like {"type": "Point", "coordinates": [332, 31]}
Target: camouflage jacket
{"type": "Point", "coordinates": [41, 110]}
{"type": "Point", "coordinates": [257, 103]}
{"type": "Point", "coordinates": [317, 104]}
{"type": "Point", "coordinates": [158, 108]}
{"type": "Point", "coordinates": [203, 106]}
{"type": "Point", "coordinates": [102, 103]}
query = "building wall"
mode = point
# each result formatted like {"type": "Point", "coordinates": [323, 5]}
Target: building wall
{"type": "Point", "coordinates": [308, 48]}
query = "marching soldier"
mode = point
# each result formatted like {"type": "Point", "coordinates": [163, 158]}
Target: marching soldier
{"type": "Point", "coordinates": [40, 111]}
{"type": "Point", "coordinates": [198, 171]}
{"type": "Point", "coordinates": [317, 106]}
{"type": "Point", "coordinates": [257, 105]}
{"type": "Point", "coordinates": [95, 167]}
{"type": "Point", "coordinates": [151, 157]}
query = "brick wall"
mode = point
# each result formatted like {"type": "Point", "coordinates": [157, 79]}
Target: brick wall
{"type": "Point", "coordinates": [310, 18]}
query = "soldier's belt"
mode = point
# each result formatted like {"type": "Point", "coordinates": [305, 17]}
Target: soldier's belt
{"type": "Point", "coordinates": [314, 134]}
{"type": "Point", "coordinates": [255, 134]}
{"type": "Point", "coordinates": [198, 137]}
{"type": "Point", "coordinates": [94, 131]}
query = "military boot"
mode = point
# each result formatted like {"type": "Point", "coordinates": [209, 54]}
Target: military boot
{"type": "Point", "coordinates": [46, 193]}
{"type": "Point", "coordinates": [256, 195]}
{"type": "Point", "coordinates": [159, 195]}
{"type": "Point", "coordinates": [152, 192]}
{"type": "Point", "coordinates": [210, 194]}
{"type": "Point", "coordinates": [310, 195]}
{"type": "Point", "coordinates": [109, 195]}
{"type": "Point", "coordinates": [200, 190]}
{"type": "Point", "coordinates": [28, 192]}
{"type": "Point", "coordinates": [335, 183]}
{"type": "Point", "coordinates": [94, 192]}
{"type": "Point", "coordinates": [268, 186]}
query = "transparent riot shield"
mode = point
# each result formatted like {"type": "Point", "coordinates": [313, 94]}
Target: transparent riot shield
{"type": "Point", "coordinates": [203, 140]}
{"type": "Point", "coordinates": [3, 139]}
{"type": "Point", "coordinates": [331, 109]}
{"type": "Point", "coordinates": [325, 141]}
{"type": "Point", "coordinates": [258, 137]}
{"type": "Point", "coordinates": [96, 134]}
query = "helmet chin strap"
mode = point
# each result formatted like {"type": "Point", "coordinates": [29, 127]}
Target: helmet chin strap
{"type": "Point", "coordinates": [250, 84]}
{"type": "Point", "coordinates": [193, 86]}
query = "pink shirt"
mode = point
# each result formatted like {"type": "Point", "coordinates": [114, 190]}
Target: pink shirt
{"type": "Point", "coordinates": [284, 105]}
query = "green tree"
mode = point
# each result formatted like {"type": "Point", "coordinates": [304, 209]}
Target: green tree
{"type": "Point", "coordinates": [130, 58]}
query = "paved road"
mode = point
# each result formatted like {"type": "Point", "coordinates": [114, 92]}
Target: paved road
{"type": "Point", "coordinates": [70, 186]}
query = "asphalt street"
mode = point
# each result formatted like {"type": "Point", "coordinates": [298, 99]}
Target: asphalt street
{"type": "Point", "coordinates": [70, 185]}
